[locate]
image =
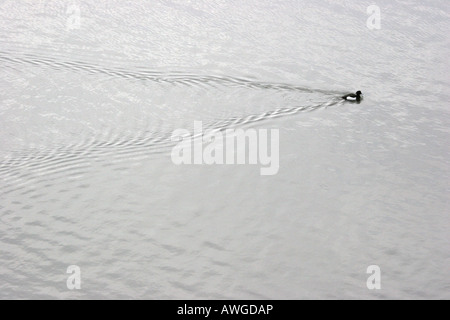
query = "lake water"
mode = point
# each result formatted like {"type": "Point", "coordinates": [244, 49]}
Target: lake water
{"type": "Point", "coordinates": [91, 92]}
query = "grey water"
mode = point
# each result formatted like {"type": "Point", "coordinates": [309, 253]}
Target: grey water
{"type": "Point", "coordinates": [91, 92]}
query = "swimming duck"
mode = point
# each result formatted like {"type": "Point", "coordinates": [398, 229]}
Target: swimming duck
{"type": "Point", "coordinates": [353, 96]}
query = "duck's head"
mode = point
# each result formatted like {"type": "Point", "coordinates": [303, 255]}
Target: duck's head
{"type": "Point", "coordinates": [358, 93]}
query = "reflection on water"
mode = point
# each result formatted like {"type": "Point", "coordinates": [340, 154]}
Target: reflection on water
{"type": "Point", "coordinates": [87, 115]}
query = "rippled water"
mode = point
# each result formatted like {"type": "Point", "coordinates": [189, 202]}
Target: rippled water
{"type": "Point", "coordinates": [86, 116]}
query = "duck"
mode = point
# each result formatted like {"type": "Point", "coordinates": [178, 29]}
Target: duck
{"type": "Point", "coordinates": [353, 96]}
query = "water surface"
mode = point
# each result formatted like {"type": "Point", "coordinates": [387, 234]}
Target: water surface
{"type": "Point", "coordinates": [86, 176]}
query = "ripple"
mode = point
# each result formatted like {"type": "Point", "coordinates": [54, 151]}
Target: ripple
{"type": "Point", "coordinates": [76, 160]}
{"type": "Point", "coordinates": [176, 78]}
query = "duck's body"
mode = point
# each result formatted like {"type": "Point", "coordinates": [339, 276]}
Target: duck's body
{"type": "Point", "coordinates": [353, 96]}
